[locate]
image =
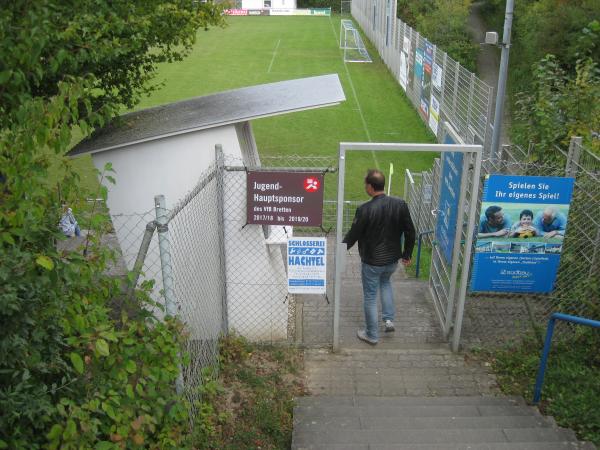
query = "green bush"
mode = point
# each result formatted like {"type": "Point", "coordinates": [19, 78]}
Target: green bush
{"type": "Point", "coordinates": [572, 382]}
{"type": "Point", "coordinates": [443, 23]}
{"type": "Point", "coordinates": [80, 366]}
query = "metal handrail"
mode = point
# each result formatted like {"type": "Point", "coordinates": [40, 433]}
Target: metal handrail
{"type": "Point", "coordinates": [537, 393]}
{"type": "Point", "coordinates": [419, 250]}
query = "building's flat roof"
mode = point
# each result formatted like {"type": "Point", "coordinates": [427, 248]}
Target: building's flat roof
{"type": "Point", "coordinates": [214, 110]}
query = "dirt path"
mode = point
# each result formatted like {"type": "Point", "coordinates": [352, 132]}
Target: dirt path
{"type": "Point", "coordinates": [488, 60]}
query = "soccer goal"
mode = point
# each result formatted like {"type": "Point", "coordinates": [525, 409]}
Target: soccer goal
{"type": "Point", "coordinates": [352, 43]}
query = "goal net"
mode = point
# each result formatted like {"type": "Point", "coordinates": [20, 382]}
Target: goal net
{"type": "Point", "coordinates": [352, 43]}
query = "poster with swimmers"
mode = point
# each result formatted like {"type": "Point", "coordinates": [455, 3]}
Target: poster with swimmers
{"type": "Point", "coordinates": [521, 229]}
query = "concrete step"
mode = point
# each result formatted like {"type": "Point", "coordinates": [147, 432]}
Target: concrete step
{"type": "Point", "coordinates": [429, 436]}
{"type": "Point", "coordinates": [311, 412]}
{"type": "Point", "coordinates": [487, 446]}
{"type": "Point", "coordinates": [408, 401]}
{"type": "Point", "coordinates": [322, 424]}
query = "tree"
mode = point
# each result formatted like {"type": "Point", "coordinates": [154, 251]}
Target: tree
{"type": "Point", "coordinates": [113, 45]}
{"type": "Point", "coordinates": [73, 374]}
{"type": "Point", "coordinates": [559, 106]}
{"type": "Point", "coordinates": [442, 22]}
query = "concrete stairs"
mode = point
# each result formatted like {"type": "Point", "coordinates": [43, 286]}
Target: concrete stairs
{"type": "Point", "coordinates": [426, 423]}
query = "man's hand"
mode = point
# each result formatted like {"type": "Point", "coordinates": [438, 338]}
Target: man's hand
{"type": "Point", "coordinates": [405, 262]}
{"type": "Point", "coordinates": [502, 232]}
{"type": "Point", "coordinates": [550, 234]}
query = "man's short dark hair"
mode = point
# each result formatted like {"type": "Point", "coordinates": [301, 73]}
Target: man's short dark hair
{"type": "Point", "coordinates": [489, 213]}
{"type": "Point", "coordinates": [376, 179]}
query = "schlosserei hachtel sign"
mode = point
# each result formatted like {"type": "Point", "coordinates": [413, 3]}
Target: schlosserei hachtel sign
{"type": "Point", "coordinates": [284, 198]}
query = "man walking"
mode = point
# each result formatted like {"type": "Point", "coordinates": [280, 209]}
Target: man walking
{"type": "Point", "coordinates": [378, 227]}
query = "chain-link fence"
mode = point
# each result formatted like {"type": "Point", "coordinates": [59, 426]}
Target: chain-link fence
{"type": "Point", "coordinates": [492, 319]}
{"type": "Point", "coordinates": [439, 88]}
{"type": "Point", "coordinates": [221, 274]}
{"type": "Point", "coordinates": [218, 274]}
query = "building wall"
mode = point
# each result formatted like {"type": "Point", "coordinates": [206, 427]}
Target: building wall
{"type": "Point", "coordinates": [169, 166]}
{"type": "Point", "coordinates": [172, 167]}
{"type": "Point", "coordinates": [260, 4]}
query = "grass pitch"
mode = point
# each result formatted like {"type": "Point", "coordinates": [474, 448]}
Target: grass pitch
{"type": "Point", "coordinates": [256, 50]}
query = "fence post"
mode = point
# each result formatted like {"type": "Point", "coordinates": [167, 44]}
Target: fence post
{"type": "Point", "coordinates": [456, 82]}
{"type": "Point", "coordinates": [443, 89]}
{"type": "Point", "coordinates": [162, 227]}
{"type": "Point", "coordinates": [489, 127]}
{"type": "Point", "coordinates": [220, 168]}
{"type": "Point", "coordinates": [573, 156]}
{"type": "Point", "coordinates": [141, 257]}
{"type": "Point", "coordinates": [469, 106]}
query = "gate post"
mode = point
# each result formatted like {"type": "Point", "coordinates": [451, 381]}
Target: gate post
{"type": "Point", "coordinates": [220, 168]}
{"type": "Point", "coordinates": [464, 278]}
{"type": "Point", "coordinates": [572, 166]}
{"type": "Point", "coordinates": [339, 249]}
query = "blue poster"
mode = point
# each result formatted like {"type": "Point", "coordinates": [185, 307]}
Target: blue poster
{"type": "Point", "coordinates": [418, 66]}
{"type": "Point", "coordinates": [445, 231]}
{"type": "Point", "coordinates": [426, 80]}
{"type": "Point", "coordinates": [520, 233]}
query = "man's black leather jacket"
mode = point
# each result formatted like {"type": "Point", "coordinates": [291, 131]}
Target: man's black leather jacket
{"type": "Point", "coordinates": [378, 227]}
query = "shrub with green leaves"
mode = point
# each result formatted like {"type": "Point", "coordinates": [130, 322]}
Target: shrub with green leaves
{"type": "Point", "coordinates": [442, 22]}
{"type": "Point", "coordinates": [81, 366]}
{"type": "Point", "coordinates": [571, 385]}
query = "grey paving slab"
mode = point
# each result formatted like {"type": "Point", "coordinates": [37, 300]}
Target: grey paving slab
{"type": "Point", "coordinates": [409, 392]}
{"type": "Point", "coordinates": [422, 423]}
{"type": "Point", "coordinates": [413, 372]}
{"type": "Point", "coordinates": [430, 436]}
{"type": "Point", "coordinates": [486, 446]}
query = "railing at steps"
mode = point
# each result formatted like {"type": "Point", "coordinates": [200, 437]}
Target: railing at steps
{"type": "Point", "coordinates": [419, 244]}
{"type": "Point", "coordinates": [537, 393]}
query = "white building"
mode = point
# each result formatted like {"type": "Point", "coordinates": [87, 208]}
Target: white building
{"type": "Point", "coordinates": [274, 4]}
{"type": "Point", "coordinates": [165, 150]}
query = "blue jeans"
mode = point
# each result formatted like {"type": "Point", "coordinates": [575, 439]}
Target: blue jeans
{"type": "Point", "coordinates": [374, 279]}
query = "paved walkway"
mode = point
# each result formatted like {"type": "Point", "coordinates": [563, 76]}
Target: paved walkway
{"type": "Point", "coordinates": [413, 361]}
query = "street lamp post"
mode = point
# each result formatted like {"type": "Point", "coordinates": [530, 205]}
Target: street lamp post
{"type": "Point", "coordinates": [502, 76]}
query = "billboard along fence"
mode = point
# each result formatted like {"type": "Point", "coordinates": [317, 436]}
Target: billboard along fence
{"type": "Point", "coordinates": [439, 88]}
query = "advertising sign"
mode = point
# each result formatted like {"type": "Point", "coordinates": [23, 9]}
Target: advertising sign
{"type": "Point", "coordinates": [445, 231]}
{"type": "Point", "coordinates": [281, 12]}
{"type": "Point", "coordinates": [418, 67]}
{"type": "Point", "coordinates": [404, 63]}
{"type": "Point", "coordinates": [320, 12]}
{"type": "Point", "coordinates": [236, 12]}
{"type": "Point", "coordinates": [434, 115]}
{"type": "Point", "coordinates": [258, 12]}
{"type": "Point", "coordinates": [426, 79]}
{"type": "Point", "coordinates": [520, 233]}
{"type": "Point", "coordinates": [307, 265]}
{"type": "Point", "coordinates": [403, 74]}
{"type": "Point", "coordinates": [436, 77]}
{"type": "Point", "coordinates": [284, 198]}
{"type": "Point", "coordinates": [406, 45]}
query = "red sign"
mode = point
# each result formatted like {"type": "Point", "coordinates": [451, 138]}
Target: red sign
{"type": "Point", "coordinates": [284, 198]}
{"type": "Point", "coordinates": [236, 12]}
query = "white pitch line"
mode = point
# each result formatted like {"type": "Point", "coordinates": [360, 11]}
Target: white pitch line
{"type": "Point", "coordinates": [360, 113]}
{"type": "Point", "coordinates": [274, 54]}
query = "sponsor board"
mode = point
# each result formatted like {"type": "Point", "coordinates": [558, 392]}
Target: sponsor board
{"type": "Point", "coordinates": [284, 198]}
{"type": "Point", "coordinates": [520, 235]}
{"type": "Point", "coordinates": [236, 12]}
{"type": "Point", "coordinates": [307, 265]}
